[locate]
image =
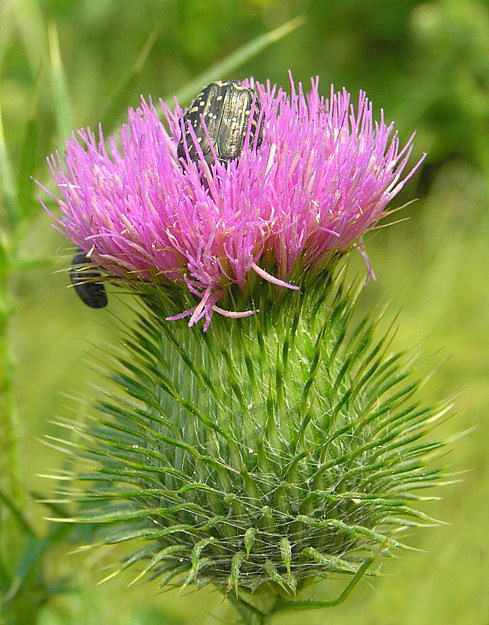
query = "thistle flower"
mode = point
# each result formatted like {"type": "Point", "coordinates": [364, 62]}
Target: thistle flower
{"type": "Point", "coordinates": [321, 178]}
{"type": "Point", "coordinates": [267, 451]}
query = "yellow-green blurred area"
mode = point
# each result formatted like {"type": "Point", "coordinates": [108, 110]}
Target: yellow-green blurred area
{"type": "Point", "coordinates": [427, 65]}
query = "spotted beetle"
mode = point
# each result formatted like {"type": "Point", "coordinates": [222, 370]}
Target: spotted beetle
{"type": "Point", "coordinates": [91, 292]}
{"type": "Point", "coordinates": [225, 106]}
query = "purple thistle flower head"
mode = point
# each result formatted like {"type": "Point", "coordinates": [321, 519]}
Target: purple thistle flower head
{"type": "Point", "coordinates": [318, 181]}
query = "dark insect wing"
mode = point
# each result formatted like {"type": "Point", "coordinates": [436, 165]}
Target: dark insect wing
{"type": "Point", "coordinates": [225, 106]}
{"type": "Point", "coordinates": [236, 108]}
{"type": "Point", "coordinates": [205, 105]}
{"type": "Point", "coordinates": [91, 293]}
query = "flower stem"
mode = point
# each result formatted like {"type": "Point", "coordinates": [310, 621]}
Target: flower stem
{"type": "Point", "coordinates": [9, 421]}
{"type": "Point", "coordinates": [250, 615]}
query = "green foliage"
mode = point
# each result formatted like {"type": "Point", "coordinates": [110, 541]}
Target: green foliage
{"type": "Point", "coordinates": [262, 453]}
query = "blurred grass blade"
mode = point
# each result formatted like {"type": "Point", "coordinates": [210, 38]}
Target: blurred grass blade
{"type": "Point", "coordinates": [28, 155]}
{"type": "Point", "coordinates": [16, 513]}
{"type": "Point", "coordinates": [7, 186]}
{"type": "Point", "coordinates": [5, 580]}
{"type": "Point", "coordinates": [33, 552]}
{"type": "Point", "coordinates": [28, 24]}
{"type": "Point", "coordinates": [60, 91]}
{"type": "Point", "coordinates": [122, 96]}
{"type": "Point", "coordinates": [56, 508]}
{"type": "Point", "coordinates": [234, 60]}
{"type": "Point", "coordinates": [7, 34]}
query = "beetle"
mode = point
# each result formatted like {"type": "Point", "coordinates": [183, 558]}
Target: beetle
{"type": "Point", "coordinates": [89, 290]}
{"type": "Point", "coordinates": [225, 106]}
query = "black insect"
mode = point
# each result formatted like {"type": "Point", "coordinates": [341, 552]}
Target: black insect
{"type": "Point", "coordinates": [225, 107]}
{"type": "Point", "coordinates": [84, 279]}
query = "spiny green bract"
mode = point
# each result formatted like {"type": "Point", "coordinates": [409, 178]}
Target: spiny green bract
{"type": "Point", "coordinates": [269, 449]}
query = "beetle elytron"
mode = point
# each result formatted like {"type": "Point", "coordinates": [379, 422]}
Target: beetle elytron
{"type": "Point", "coordinates": [225, 106]}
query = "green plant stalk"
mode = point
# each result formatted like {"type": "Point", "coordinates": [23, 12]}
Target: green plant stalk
{"type": "Point", "coordinates": [17, 198]}
{"type": "Point", "coordinates": [251, 615]}
{"type": "Point", "coordinates": [10, 425]}
{"type": "Point", "coordinates": [9, 421]}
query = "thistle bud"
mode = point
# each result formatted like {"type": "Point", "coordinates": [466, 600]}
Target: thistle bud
{"type": "Point", "coordinates": [259, 453]}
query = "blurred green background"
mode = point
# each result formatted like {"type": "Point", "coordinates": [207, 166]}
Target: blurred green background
{"type": "Point", "coordinates": [427, 65]}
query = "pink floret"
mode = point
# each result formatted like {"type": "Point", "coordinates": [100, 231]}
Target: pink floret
{"type": "Point", "coordinates": [320, 179]}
